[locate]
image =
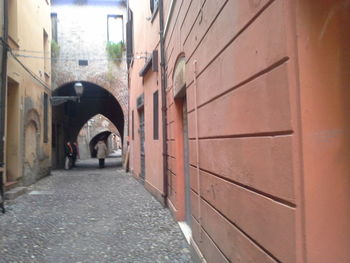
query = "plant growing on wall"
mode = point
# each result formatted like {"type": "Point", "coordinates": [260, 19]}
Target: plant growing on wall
{"type": "Point", "coordinates": [115, 51]}
{"type": "Point", "coordinates": [55, 50]}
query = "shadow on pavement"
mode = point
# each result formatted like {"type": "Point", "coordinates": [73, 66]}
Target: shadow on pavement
{"type": "Point", "coordinates": [111, 162]}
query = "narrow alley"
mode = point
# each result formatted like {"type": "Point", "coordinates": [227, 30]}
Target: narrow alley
{"type": "Point", "coordinates": [90, 215]}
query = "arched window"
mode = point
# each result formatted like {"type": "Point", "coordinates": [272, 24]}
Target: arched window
{"type": "Point", "coordinates": [179, 78]}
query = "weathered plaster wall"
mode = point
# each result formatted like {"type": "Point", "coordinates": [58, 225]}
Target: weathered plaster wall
{"type": "Point", "coordinates": [28, 21]}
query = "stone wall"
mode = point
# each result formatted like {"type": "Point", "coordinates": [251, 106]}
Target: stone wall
{"type": "Point", "coordinates": [82, 35]}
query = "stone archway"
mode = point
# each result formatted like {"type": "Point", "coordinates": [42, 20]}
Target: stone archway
{"type": "Point", "coordinates": [91, 128]}
{"type": "Point", "coordinates": [70, 117]}
{"type": "Point", "coordinates": [115, 88]}
{"type": "Point", "coordinates": [98, 137]}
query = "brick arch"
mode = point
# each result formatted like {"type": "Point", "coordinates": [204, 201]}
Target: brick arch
{"type": "Point", "coordinates": [114, 87]}
{"type": "Point", "coordinates": [95, 139]}
{"type": "Point", "coordinates": [112, 128]}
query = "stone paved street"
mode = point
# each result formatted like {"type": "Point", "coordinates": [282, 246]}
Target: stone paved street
{"type": "Point", "coordinates": [90, 215]}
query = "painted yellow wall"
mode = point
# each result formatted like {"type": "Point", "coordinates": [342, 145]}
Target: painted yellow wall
{"type": "Point", "coordinates": [28, 20]}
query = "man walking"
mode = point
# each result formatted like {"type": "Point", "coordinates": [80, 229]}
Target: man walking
{"type": "Point", "coordinates": [101, 149]}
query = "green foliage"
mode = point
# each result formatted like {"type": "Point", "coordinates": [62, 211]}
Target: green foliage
{"type": "Point", "coordinates": [55, 49]}
{"type": "Point", "coordinates": [115, 51]}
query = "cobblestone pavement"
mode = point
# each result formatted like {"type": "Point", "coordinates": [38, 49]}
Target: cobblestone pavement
{"type": "Point", "coordinates": [90, 215]}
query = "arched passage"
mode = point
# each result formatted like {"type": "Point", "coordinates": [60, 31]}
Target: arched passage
{"type": "Point", "coordinates": [98, 137]}
{"type": "Point", "coordinates": [69, 117]}
{"type": "Point", "coordinates": [93, 127]}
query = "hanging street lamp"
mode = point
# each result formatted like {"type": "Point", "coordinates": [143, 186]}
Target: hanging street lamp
{"type": "Point", "coordinates": [58, 100]}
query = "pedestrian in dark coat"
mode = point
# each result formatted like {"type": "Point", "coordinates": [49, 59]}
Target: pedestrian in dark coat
{"type": "Point", "coordinates": [68, 150]}
{"type": "Point", "coordinates": [75, 153]}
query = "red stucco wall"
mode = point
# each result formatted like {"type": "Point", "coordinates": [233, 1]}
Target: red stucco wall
{"type": "Point", "coordinates": [146, 39]}
{"type": "Point", "coordinates": [324, 41]}
{"type": "Point", "coordinates": [248, 147]}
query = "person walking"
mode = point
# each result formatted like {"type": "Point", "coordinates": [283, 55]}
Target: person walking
{"type": "Point", "coordinates": [68, 150]}
{"type": "Point", "coordinates": [101, 149]}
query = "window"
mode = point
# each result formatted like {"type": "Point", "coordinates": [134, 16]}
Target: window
{"type": "Point", "coordinates": [154, 5]}
{"type": "Point", "coordinates": [155, 116]}
{"type": "Point", "coordinates": [54, 26]}
{"type": "Point", "coordinates": [46, 118]}
{"type": "Point", "coordinates": [115, 31]}
{"type": "Point", "coordinates": [83, 62]}
{"type": "Point", "coordinates": [132, 124]}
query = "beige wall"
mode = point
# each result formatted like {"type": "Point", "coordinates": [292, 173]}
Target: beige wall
{"type": "Point", "coordinates": [27, 22]}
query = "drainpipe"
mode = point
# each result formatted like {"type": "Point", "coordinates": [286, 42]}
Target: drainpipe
{"type": "Point", "coordinates": [3, 97]}
{"type": "Point", "coordinates": [127, 142]}
{"type": "Point", "coordinates": [164, 106]}
{"type": "Point", "coordinates": [170, 14]}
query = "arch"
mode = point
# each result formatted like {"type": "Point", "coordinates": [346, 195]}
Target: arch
{"type": "Point", "coordinates": [32, 116]}
{"type": "Point", "coordinates": [98, 137]}
{"type": "Point", "coordinates": [96, 130]}
{"type": "Point", "coordinates": [111, 87]}
{"type": "Point", "coordinates": [95, 100]}
{"type": "Point", "coordinates": [179, 77]}
{"type": "Point", "coordinates": [71, 116]}
{"type": "Point", "coordinates": [94, 126]}
{"type": "Point", "coordinates": [31, 151]}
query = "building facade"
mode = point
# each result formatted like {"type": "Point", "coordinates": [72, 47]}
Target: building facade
{"type": "Point", "coordinates": [255, 123]}
{"type": "Point", "coordinates": [145, 131]}
{"type": "Point", "coordinates": [27, 133]}
{"type": "Point", "coordinates": [82, 46]}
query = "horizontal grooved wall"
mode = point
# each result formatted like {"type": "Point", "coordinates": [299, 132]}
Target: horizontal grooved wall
{"type": "Point", "coordinates": [239, 63]}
